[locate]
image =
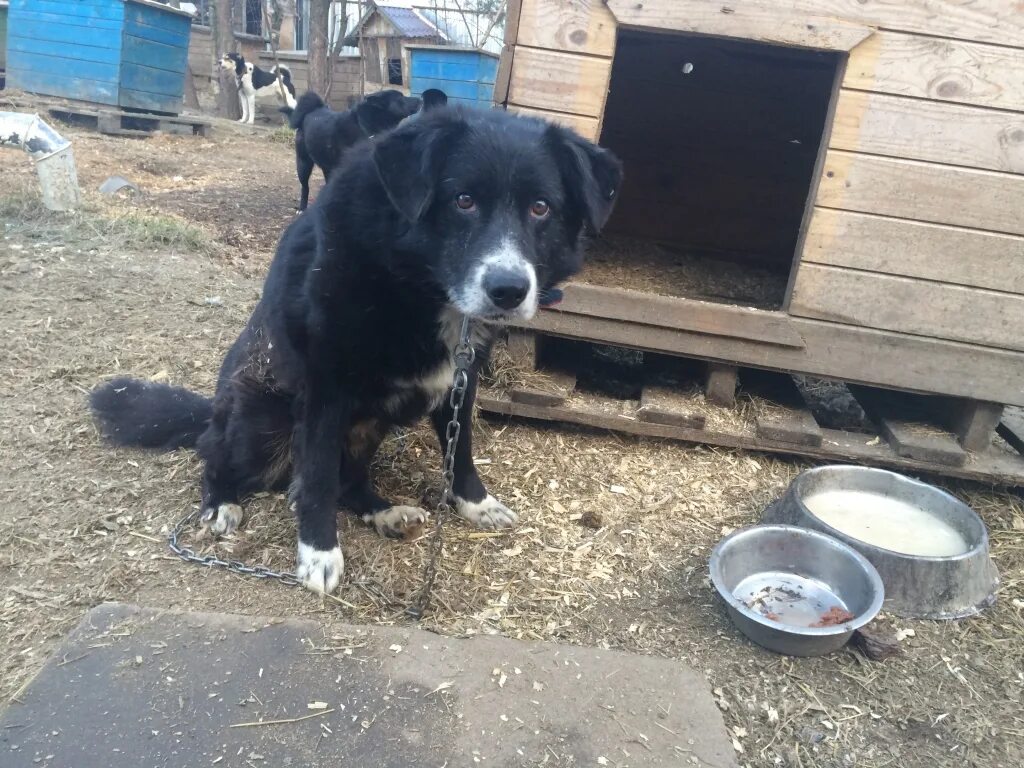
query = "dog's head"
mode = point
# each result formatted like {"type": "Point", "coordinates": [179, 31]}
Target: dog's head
{"type": "Point", "coordinates": [232, 62]}
{"type": "Point", "coordinates": [434, 98]}
{"type": "Point", "coordinates": [383, 110]}
{"type": "Point", "coordinates": [496, 204]}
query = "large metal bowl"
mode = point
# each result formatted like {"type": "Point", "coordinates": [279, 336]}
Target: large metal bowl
{"type": "Point", "coordinates": [779, 580]}
{"type": "Point", "coordinates": [916, 586]}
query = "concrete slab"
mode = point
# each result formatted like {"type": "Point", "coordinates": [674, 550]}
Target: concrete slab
{"type": "Point", "coordinates": [137, 687]}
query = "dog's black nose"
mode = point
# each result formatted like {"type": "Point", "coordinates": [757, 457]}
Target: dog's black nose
{"type": "Point", "coordinates": [506, 287]}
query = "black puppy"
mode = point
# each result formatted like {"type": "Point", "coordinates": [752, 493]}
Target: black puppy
{"type": "Point", "coordinates": [322, 135]}
{"type": "Point", "coordinates": [472, 213]}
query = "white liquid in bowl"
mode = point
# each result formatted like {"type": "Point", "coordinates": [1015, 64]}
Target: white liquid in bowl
{"type": "Point", "coordinates": [888, 523]}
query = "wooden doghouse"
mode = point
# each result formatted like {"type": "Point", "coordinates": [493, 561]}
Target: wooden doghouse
{"type": "Point", "coordinates": [382, 35]}
{"type": "Point", "coordinates": [121, 53]}
{"type": "Point", "coordinates": [812, 186]}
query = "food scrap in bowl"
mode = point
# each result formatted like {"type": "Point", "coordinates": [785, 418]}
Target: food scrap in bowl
{"type": "Point", "coordinates": [833, 617]}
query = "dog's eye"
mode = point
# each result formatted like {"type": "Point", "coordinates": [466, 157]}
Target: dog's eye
{"type": "Point", "coordinates": [540, 208]}
{"type": "Point", "coordinates": [465, 202]}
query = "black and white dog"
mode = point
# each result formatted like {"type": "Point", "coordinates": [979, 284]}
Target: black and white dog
{"type": "Point", "coordinates": [462, 213]}
{"type": "Point", "coordinates": [322, 135]}
{"type": "Point", "coordinates": [253, 81]}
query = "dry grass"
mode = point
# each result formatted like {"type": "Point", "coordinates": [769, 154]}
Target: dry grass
{"type": "Point", "coordinates": [627, 262]}
{"type": "Point", "coordinates": [504, 373]}
{"type": "Point", "coordinates": [283, 134]}
{"type": "Point", "coordinates": [81, 523]}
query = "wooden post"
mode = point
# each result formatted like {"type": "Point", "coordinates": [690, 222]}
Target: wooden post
{"type": "Point", "coordinates": [975, 423]}
{"type": "Point", "coordinates": [223, 42]}
{"type": "Point", "coordinates": [522, 348]}
{"type": "Point", "coordinates": [191, 97]}
{"type": "Point", "coordinates": [721, 384]}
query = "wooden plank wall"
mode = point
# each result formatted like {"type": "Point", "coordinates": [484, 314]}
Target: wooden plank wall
{"type": "Point", "coordinates": [154, 53]}
{"type": "Point", "coordinates": [64, 48]}
{"type": "Point", "coordinates": [561, 56]}
{"type": "Point", "coordinates": [918, 226]}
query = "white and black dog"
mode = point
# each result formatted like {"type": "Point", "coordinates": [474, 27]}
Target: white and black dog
{"type": "Point", "coordinates": [253, 81]}
{"type": "Point", "coordinates": [474, 212]}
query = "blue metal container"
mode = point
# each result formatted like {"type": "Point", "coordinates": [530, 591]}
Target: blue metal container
{"type": "Point", "coordinates": [124, 53]}
{"type": "Point", "coordinates": [465, 75]}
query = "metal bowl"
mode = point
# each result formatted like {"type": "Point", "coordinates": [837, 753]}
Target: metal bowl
{"type": "Point", "coordinates": [780, 580]}
{"type": "Point", "coordinates": [916, 586]}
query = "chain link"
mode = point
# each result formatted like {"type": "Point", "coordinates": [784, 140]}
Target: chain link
{"type": "Point", "coordinates": [189, 555]}
{"type": "Point", "coordinates": [464, 356]}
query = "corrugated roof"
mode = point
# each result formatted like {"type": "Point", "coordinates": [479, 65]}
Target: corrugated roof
{"type": "Point", "coordinates": [408, 22]}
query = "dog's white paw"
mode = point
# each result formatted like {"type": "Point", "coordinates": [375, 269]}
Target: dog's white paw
{"type": "Point", "coordinates": [224, 520]}
{"type": "Point", "coordinates": [398, 522]}
{"type": "Point", "coordinates": [320, 570]}
{"type": "Point", "coordinates": [489, 513]}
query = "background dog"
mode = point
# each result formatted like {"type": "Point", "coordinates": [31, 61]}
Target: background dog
{"type": "Point", "coordinates": [253, 81]}
{"type": "Point", "coordinates": [462, 213]}
{"type": "Point", "coordinates": [322, 135]}
{"type": "Point", "coordinates": [432, 98]}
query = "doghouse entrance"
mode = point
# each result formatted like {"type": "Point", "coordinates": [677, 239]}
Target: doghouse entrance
{"type": "Point", "coordinates": [719, 139]}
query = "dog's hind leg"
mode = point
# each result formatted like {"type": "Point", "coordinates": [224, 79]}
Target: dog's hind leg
{"type": "Point", "coordinates": [357, 493]}
{"type": "Point", "coordinates": [246, 448]}
{"type": "Point", "coordinates": [222, 512]}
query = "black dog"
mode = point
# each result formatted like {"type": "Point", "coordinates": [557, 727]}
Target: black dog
{"type": "Point", "coordinates": [432, 98]}
{"type": "Point", "coordinates": [463, 213]}
{"type": "Point", "coordinates": [322, 135]}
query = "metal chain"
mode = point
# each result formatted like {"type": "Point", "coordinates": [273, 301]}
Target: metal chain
{"type": "Point", "coordinates": [464, 356]}
{"type": "Point", "coordinates": [189, 555]}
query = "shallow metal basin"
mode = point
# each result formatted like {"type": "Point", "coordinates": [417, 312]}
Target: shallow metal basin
{"type": "Point", "coordinates": [778, 581]}
{"type": "Point", "coordinates": [916, 586]}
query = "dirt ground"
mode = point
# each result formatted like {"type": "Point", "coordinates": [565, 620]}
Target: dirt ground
{"type": "Point", "coordinates": [156, 286]}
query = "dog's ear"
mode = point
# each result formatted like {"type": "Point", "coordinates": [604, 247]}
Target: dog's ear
{"type": "Point", "coordinates": [409, 162]}
{"type": "Point", "coordinates": [592, 176]}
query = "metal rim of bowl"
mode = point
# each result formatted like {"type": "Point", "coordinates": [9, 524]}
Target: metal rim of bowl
{"type": "Point", "coordinates": [981, 545]}
{"type": "Point", "coordinates": [839, 629]}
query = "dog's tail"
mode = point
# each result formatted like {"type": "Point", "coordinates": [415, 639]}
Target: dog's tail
{"type": "Point", "coordinates": [308, 102]}
{"type": "Point", "coordinates": [150, 415]}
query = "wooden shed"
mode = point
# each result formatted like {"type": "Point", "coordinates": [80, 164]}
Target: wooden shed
{"type": "Point", "coordinates": [123, 53]}
{"type": "Point", "coordinates": [382, 35]}
{"type": "Point", "coordinates": [466, 75]}
{"type": "Point", "coordinates": [818, 187]}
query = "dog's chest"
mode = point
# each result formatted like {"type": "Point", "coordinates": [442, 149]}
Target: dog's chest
{"type": "Point", "coordinates": [410, 397]}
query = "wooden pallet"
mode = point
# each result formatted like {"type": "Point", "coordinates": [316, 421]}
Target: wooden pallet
{"type": "Point", "coordinates": [917, 433]}
{"type": "Point", "coordinates": [119, 122]}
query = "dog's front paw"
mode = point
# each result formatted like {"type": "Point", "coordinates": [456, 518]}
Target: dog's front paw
{"type": "Point", "coordinates": [222, 520]}
{"type": "Point", "coordinates": [489, 513]}
{"type": "Point", "coordinates": [320, 570]}
{"type": "Point", "coordinates": [398, 522]}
